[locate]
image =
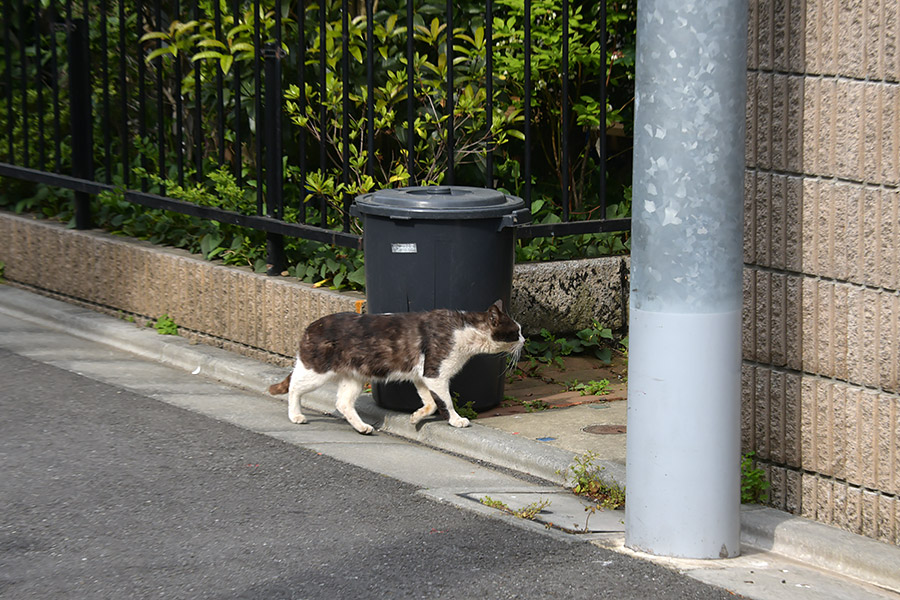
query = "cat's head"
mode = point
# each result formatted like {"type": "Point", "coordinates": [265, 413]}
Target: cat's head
{"type": "Point", "coordinates": [504, 331]}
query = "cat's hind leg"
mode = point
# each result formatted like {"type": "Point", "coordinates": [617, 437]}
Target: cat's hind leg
{"type": "Point", "coordinates": [428, 405]}
{"type": "Point", "coordinates": [441, 388]}
{"type": "Point", "coordinates": [347, 393]}
{"type": "Point", "coordinates": [303, 381]}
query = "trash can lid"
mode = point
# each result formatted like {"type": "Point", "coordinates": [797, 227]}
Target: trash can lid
{"type": "Point", "coordinates": [438, 202]}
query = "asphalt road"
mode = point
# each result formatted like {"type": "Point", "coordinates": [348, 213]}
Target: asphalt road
{"type": "Point", "coordinates": [106, 493]}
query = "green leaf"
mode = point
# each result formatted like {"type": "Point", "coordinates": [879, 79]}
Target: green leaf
{"type": "Point", "coordinates": [358, 276]}
{"type": "Point", "coordinates": [161, 51]}
{"type": "Point", "coordinates": [207, 54]}
{"type": "Point", "coordinates": [154, 35]}
{"type": "Point", "coordinates": [211, 43]}
{"type": "Point", "coordinates": [225, 62]}
{"type": "Point", "coordinates": [184, 27]}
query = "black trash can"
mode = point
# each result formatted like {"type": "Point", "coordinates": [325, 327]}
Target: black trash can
{"type": "Point", "coordinates": [441, 247]}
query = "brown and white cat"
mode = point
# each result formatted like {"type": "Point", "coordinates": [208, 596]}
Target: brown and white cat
{"type": "Point", "coordinates": [426, 349]}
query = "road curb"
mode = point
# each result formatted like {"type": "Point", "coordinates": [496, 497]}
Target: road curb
{"type": "Point", "coordinates": [762, 528]}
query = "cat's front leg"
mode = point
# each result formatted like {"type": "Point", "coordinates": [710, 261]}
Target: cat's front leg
{"type": "Point", "coordinates": [348, 391]}
{"type": "Point", "coordinates": [428, 405]}
{"type": "Point", "coordinates": [441, 388]}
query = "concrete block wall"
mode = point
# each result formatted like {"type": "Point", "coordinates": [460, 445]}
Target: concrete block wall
{"type": "Point", "coordinates": [244, 311]}
{"type": "Point", "coordinates": [821, 346]}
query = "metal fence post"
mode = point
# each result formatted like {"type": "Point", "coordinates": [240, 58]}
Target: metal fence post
{"type": "Point", "coordinates": [81, 116]}
{"type": "Point", "coordinates": [273, 159]}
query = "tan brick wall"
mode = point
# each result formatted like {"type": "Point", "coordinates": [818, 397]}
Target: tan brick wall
{"type": "Point", "coordinates": [246, 311]}
{"type": "Point", "coordinates": [821, 375]}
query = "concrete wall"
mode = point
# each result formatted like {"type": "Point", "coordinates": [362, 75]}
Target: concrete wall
{"type": "Point", "coordinates": [232, 307]}
{"type": "Point", "coordinates": [821, 375]}
{"type": "Point", "coordinates": [258, 315]}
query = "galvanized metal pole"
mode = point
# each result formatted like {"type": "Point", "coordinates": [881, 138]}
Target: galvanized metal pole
{"type": "Point", "coordinates": [683, 476]}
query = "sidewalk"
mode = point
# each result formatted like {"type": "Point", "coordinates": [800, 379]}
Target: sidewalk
{"type": "Point", "coordinates": [510, 439]}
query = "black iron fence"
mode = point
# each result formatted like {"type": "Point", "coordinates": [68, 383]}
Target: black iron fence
{"type": "Point", "coordinates": [308, 104]}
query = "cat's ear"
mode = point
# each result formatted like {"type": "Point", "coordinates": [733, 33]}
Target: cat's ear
{"type": "Point", "coordinates": [495, 312]}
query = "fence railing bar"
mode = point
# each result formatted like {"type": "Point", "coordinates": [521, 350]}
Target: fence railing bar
{"type": "Point", "coordinates": [301, 102]}
{"type": "Point", "coordinates": [527, 126]}
{"type": "Point", "coordinates": [104, 74]}
{"type": "Point", "coordinates": [410, 94]}
{"type": "Point", "coordinates": [274, 175]}
{"type": "Point", "coordinates": [345, 111]}
{"type": "Point", "coordinates": [565, 179]}
{"type": "Point", "coordinates": [274, 116]}
{"type": "Point", "coordinates": [198, 109]}
{"type": "Point", "coordinates": [7, 47]}
{"type": "Point", "coordinates": [489, 91]}
{"type": "Point", "coordinates": [571, 228]}
{"type": "Point", "coordinates": [323, 93]}
{"type": "Point", "coordinates": [258, 222]}
{"type": "Point", "coordinates": [179, 112]}
{"type": "Point", "coordinates": [142, 90]}
{"type": "Point", "coordinates": [39, 87]}
{"type": "Point", "coordinates": [260, 117]}
{"type": "Point", "coordinates": [23, 61]}
{"type": "Point", "coordinates": [451, 142]}
{"type": "Point", "coordinates": [603, 112]}
{"type": "Point", "coordinates": [123, 96]}
{"type": "Point", "coordinates": [261, 223]}
{"type": "Point", "coordinates": [160, 106]}
{"type": "Point", "coordinates": [81, 116]}
{"type": "Point", "coordinates": [278, 24]}
{"type": "Point", "coordinates": [370, 85]}
{"type": "Point", "coordinates": [69, 182]}
{"type": "Point", "coordinates": [54, 83]}
{"type": "Point", "coordinates": [220, 87]}
{"type": "Point", "coordinates": [238, 128]}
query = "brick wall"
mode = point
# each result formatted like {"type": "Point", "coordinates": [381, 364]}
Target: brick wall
{"type": "Point", "coordinates": [821, 374]}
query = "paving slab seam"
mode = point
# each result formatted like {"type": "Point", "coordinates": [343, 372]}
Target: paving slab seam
{"type": "Point", "coordinates": [763, 528]}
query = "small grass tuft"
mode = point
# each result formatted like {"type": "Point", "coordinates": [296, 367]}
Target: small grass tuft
{"type": "Point", "coordinates": [587, 482]}
{"type": "Point", "coordinates": [166, 326]}
{"type": "Point", "coordinates": [526, 512]}
{"type": "Point", "coordinates": [753, 482]}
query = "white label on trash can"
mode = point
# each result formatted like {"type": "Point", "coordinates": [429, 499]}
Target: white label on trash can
{"type": "Point", "coordinates": [404, 248]}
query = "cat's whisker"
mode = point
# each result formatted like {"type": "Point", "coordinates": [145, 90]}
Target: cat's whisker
{"type": "Point", "coordinates": [512, 359]}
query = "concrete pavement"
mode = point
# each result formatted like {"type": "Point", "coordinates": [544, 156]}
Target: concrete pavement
{"type": "Point", "coordinates": [834, 563]}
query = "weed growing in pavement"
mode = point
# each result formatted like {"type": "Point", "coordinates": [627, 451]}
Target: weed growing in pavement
{"type": "Point", "coordinates": [587, 482]}
{"type": "Point", "coordinates": [535, 405]}
{"type": "Point", "coordinates": [526, 512]}
{"type": "Point", "coordinates": [166, 326]}
{"type": "Point", "coordinates": [2, 269]}
{"type": "Point", "coordinates": [753, 482]}
{"type": "Point", "coordinates": [591, 388]}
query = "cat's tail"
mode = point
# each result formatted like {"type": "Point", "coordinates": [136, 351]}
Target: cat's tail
{"type": "Point", "coordinates": [280, 388]}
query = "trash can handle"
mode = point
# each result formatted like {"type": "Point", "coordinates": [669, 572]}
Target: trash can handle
{"type": "Point", "coordinates": [516, 217]}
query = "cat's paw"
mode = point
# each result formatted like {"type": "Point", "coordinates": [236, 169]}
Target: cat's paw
{"type": "Point", "coordinates": [365, 429]}
{"type": "Point", "coordinates": [460, 422]}
{"type": "Point", "coordinates": [298, 419]}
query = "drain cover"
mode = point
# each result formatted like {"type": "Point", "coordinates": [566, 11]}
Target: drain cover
{"type": "Point", "coordinates": [604, 429]}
